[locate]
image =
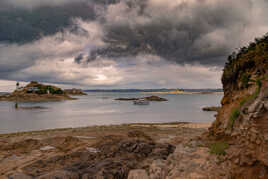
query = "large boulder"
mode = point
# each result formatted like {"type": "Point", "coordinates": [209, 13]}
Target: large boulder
{"type": "Point", "coordinates": [138, 174]}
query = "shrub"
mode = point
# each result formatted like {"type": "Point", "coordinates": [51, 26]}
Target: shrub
{"type": "Point", "coordinates": [218, 148]}
{"type": "Point", "coordinates": [259, 83]}
{"type": "Point", "coordinates": [58, 91]}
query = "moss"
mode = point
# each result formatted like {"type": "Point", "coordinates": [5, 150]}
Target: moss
{"type": "Point", "coordinates": [233, 117]}
{"type": "Point", "coordinates": [254, 95]}
{"type": "Point", "coordinates": [259, 83]}
{"type": "Point", "coordinates": [243, 101]}
{"type": "Point", "coordinates": [218, 148]}
{"type": "Point", "coordinates": [245, 80]}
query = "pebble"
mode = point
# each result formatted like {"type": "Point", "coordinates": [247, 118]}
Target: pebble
{"type": "Point", "coordinates": [46, 148]}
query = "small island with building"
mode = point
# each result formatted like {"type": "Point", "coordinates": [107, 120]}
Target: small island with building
{"type": "Point", "coordinates": [36, 92]}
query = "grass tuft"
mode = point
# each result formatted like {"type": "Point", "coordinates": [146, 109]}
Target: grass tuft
{"type": "Point", "coordinates": [218, 148]}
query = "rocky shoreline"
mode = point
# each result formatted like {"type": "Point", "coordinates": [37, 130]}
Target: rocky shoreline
{"type": "Point", "coordinates": [134, 151]}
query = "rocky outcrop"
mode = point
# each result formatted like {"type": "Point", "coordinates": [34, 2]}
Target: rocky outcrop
{"type": "Point", "coordinates": [243, 119]}
{"type": "Point", "coordinates": [211, 108]}
{"type": "Point", "coordinates": [75, 92]}
{"type": "Point", "coordinates": [112, 157]}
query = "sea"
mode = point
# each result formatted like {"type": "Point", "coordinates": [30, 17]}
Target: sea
{"type": "Point", "coordinates": [100, 108]}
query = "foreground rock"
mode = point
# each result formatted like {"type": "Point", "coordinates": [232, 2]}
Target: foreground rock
{"type": "Point", "coordinates": [150, 98]}
{"type": "Point", "coordinates": [35, 92]}
{"type": "Point", "coordinates": [120, 152]}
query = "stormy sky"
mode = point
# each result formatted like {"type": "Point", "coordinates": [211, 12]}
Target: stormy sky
{"type": "Point", "coordinates": [125, 43]}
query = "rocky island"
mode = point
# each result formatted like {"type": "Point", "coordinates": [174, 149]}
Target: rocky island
{"type": "Point", "coordinates": [35, 92]}
{"type": "Point", "coordinates": [211, 108]}
{"type": "Point", "coordinates": [149, 98]}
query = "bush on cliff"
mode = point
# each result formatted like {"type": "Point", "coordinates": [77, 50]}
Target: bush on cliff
{"type": "Point", "coordinates": [254, 57]}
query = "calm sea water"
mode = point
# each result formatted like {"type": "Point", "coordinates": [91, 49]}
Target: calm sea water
{"type": "Point", "coordinates": [102, 109]}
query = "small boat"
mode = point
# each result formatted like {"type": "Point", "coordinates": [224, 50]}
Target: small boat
{"type": "Point", "coordinates": [141, 102]}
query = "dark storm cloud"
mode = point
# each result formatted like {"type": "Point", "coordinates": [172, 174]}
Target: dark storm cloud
{"type": "Point", "coordinates": [41, 39]}
{"type": "Point", "coordinates": [183, 32]}
{"type": "Point", "coordinates": [30, 4]}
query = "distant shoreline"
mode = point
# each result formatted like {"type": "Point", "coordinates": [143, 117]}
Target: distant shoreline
{"type": "Point", "coordinates": [182, 92]}
{"type": "Point", "coordinates": [160, 91]}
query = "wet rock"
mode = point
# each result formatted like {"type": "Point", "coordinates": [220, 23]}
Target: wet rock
{"type": "Point", "coordinates": [138, 174]}
{"type": "Point", "coordinates": [155, 98]}
{"type": "Point", "coordinates": [112, 157]}
{"type": "Point", "coordinates": [139, 134]}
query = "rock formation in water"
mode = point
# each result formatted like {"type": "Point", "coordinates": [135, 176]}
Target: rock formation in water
{"type": "Point", "coordinates": [74, 92]}
{"type": "Point", "coordinates": [149, 98]}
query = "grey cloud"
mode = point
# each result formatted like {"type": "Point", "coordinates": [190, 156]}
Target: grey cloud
{"type": "Point", "coordinates": [188, 32]}
{"type": "Point", "coordinates": [30, 4]}
{"type": "Point", "coordinates": [140, 42]}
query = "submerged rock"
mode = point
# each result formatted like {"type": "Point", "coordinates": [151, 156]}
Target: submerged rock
{"type": "Point", "coordinates": [155, 98]}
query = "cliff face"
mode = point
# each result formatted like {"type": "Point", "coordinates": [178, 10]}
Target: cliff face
{"type": "Point", "coordinates": [243, 119]}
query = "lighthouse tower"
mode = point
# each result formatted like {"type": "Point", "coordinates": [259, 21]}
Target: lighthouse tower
{"type": "Point", "coordinates": [17, 85]}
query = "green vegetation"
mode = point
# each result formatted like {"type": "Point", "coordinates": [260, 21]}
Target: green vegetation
{"type": "Point", "coordinates": [234, 116]}
{"type": "Point", "coordinates": [245, 80]}
{"type": "Point", "coordinates": [45, 89]}
{"type": "Point", "coordinates": [218, 148]}
{"type": "Point", "coordinates": [246, 60]}
{"type": "Point", "coordinates": [236, 112]}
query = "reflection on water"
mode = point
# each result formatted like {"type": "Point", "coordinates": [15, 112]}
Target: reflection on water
{"type": "Point", "coordinates": [101, 109]}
